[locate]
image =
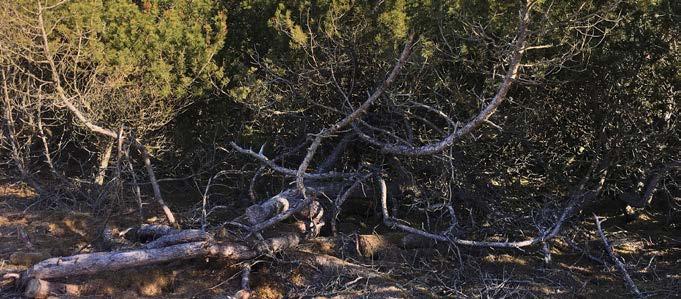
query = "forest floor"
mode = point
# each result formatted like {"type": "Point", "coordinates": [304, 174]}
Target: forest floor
{"type": "Point", "coordinates": [650, 245]}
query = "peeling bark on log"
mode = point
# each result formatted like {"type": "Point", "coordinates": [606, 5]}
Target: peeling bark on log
{"type": "Point", "coordinates": [185, 236]}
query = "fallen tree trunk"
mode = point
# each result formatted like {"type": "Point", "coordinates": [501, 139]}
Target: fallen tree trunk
{"type": "Point", "coordinates": [91, 263]}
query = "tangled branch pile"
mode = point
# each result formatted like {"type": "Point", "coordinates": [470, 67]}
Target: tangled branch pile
{"type": "Point", "coordinates": [442, 115]}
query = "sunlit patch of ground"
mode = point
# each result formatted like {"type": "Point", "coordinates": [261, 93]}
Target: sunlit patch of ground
{"type": "Point", "coordinates": [16, 191]}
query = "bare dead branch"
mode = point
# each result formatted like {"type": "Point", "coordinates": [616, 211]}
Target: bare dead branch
{"type": "Point", "coordinates": [301, 172]}
{"type": "Point", "coordinates": [154, 184]}
{"type": "Point", "coordinates": [483, 115]}
{"type": "Point", "coordinates": [104, 163]}
{"type": "Point", "coordinates": [620, 266]}
{"type": "Point", "coordinates": [575, 201]}
{"type": "Point", "coordinates": [288, 171]}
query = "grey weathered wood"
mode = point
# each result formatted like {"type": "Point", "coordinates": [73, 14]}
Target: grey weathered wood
{"type": "Point", "coordinates": [91, 263]}
{"type": "Point", "coordinates": [185, 236]}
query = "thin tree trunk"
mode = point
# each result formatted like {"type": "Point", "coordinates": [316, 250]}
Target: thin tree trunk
{"type": "Point", "coordinates": [104, 163]}
{"type": "Point", "coordinates": [155, 186]}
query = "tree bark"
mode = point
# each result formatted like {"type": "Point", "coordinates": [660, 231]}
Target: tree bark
{"type": "Point", "coordinates": [104, 163]}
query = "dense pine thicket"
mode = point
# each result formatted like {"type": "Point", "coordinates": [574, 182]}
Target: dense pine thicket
{"type": "Point", "coordinates": [597, 94]}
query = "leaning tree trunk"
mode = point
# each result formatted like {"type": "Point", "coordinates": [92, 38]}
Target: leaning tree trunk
{"type": "Point", "coordinates": [104, 163]}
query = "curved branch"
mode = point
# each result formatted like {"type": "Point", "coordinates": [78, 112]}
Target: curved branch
{"type": "Point", "coordinates": [544, 236]}
{"type": "Point", "coordinates": [483, 115]}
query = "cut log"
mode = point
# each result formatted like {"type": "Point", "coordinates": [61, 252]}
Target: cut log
{"type": "Point", "coordinates": [290, 202]}
{"type": "Point", "coordinates": [37, 288]}
{"type": "Point", "coordinates": [275, 205]}
{"type": "Point", "coordinates": [291, 198]}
